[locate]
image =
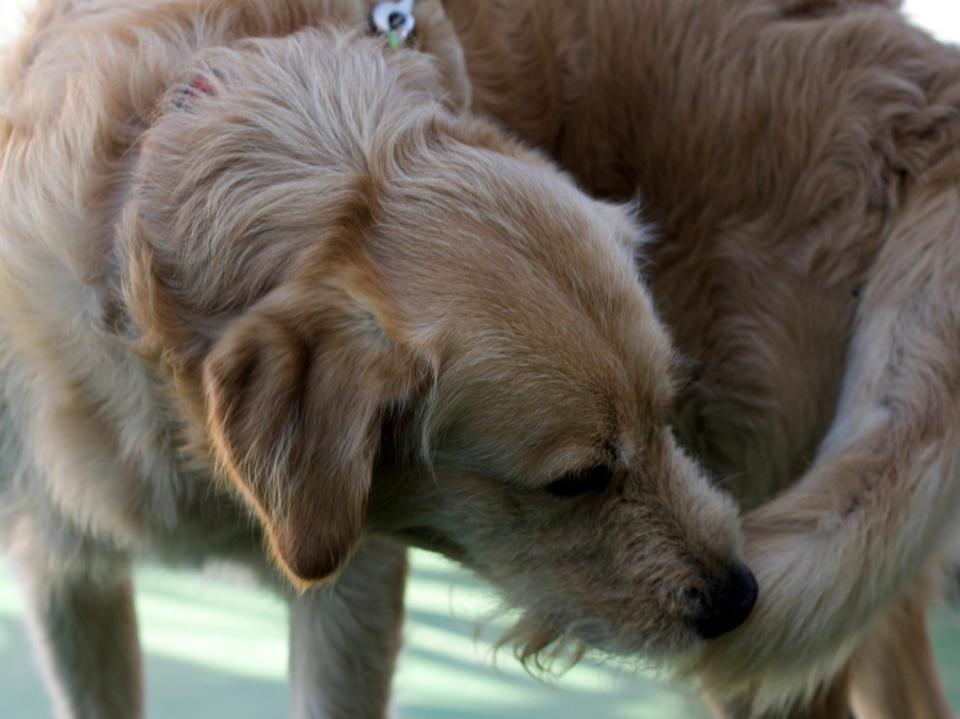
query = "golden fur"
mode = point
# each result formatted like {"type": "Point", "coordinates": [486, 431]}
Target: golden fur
{"type": "Point", "coordinates": [252, 268]}
{"type": "Point", "coordinates": [800, 160]}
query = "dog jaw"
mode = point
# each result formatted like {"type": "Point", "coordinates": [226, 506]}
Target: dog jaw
{"type": "Point", "coordinates": [549, 361]}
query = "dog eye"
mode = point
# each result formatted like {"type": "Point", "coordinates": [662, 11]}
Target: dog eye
{"type": "Point", "coordinates": [595, 480]}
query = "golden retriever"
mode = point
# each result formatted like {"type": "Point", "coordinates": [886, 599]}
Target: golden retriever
{"type": "Point", "coordinates": [250, 268]}
{"type": "Point", "coordinates": [801, 161]}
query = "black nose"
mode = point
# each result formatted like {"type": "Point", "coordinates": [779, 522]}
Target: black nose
{"type": "Point", "coordinates": [729, 602]}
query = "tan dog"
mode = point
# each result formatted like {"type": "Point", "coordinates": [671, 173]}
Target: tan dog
{"type": "Point", "coordinates": [296, 265]}
{"type": "Point", "coordinates": [801, 161]}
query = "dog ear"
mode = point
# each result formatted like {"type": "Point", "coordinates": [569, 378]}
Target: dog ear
{"type": "Point", "coordinates": [295, 390]}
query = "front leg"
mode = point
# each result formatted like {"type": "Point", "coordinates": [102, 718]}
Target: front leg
{"type": "Point", "coordinates": [83, 625]}
{"type": "Point", "coordinates": [874, 509]}
{"type": "Point", "coordinates": [345, 638]}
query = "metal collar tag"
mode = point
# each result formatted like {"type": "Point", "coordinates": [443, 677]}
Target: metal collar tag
{"type": "Point", "coordinates": [394, 20]}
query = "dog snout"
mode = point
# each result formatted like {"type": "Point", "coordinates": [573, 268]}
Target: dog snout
{"type": "Point", "coordinates": [729, 601]}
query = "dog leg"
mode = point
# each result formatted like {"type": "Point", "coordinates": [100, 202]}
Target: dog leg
{"type": "Point", "coordinates": [842, 545]}
{"type": "Point", "coordinates": [84, 628]}
{"type": "Point", "coordinates": [832, 703]}
{"type": "Point", "coordinates": [895, 673]}
{"type": "Point", "coordinates": [345, 638]}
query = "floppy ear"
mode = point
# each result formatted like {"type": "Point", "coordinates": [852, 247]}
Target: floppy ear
{"type": "Point", "coordinates": [294, 391]}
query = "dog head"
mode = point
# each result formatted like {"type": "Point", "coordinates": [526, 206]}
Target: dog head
{"type": "Point", "coordinates": [382, 317]}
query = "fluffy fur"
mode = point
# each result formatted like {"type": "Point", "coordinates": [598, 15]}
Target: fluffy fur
{"type": "Point", "coordinates": [252, 269]}
{"type": "Point", "coordinates": [800, 158]}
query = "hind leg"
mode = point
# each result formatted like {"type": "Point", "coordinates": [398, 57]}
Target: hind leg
{"type": "Point", "coordinates": [844, 544]}
{"type": "Point", "coordinates": [895, 673]}
{"type": "Point", "coordinates": [832, 703]}
{"type": "Point", "coordinates": [81, 618]}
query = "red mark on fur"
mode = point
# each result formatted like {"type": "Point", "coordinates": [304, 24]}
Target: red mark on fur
{"type": "Point", "coordinates": [202, 84]}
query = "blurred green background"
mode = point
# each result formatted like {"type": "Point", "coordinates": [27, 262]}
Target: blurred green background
{"type": "Point", "coordinates": [217, 647]}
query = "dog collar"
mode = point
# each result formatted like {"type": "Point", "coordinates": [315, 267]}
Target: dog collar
{"type": "Point", "coordinates": [394, 20]}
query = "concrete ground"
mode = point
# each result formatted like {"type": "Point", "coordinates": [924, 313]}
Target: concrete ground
{"type": "Point", "coordinates": [217, 647]}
